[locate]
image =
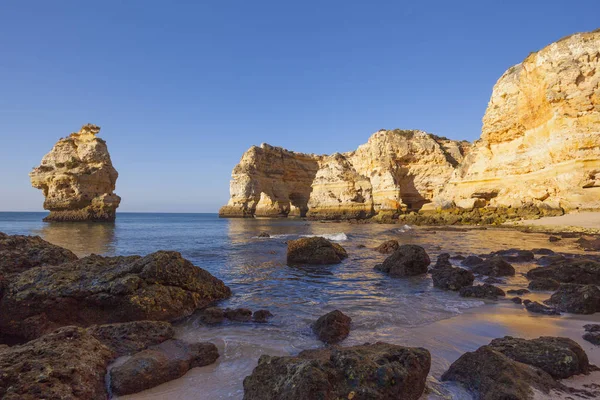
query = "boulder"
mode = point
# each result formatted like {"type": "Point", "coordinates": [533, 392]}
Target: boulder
{"type": "Point", "coordinates": [578, 270]}
{"type": "Point", "coordinates": [159, 364]}
{"type": "Point", "coordinates": [485, 291]}
{"type": "Point", "coordinates": [19, 253]}
{"type": "Point", "coordinates": [592, 333]}
{"type": "Point", "coordinates": [451, 278]}
{"type": "Point", "coordinates": [471, 261]}
{"type": "Point", "coordinates": [264, 235]}
{"type": "Point", "coordinates": [550, 259]}
{"type": "Point", "coordinates": [443, 261]}
{"type": "Point", "coordinates": [162, 286]}
{"type": "Point", "coordinates": [494, 266]}
{"type": "Point", "coordinates": [332, 327]}
{"type": "Point", "coordinates": [491, 375]}
{"type": "Point", "coordinates": [542, 251]}
{"type": "Point", "coordinates": [516, 255]}
{"type": "Point", "coordinates": [212, 315]}
{"type": "Point", "coordinates": [238, 314]}
{"type": "Point", "coordinates": [553, 238]}
{"type": "Point", "coordinates": [589, 244]}
{"type": "Point", "coordinates": [68, 363]}
{"type": "Point", "coordinates": [538, 308]}
{"type": "Point", "coordinates": [544, 284]}
{"type": "Point", "coordinates": [388, 247]}
{"type": "Point", "coordinates": [314, 250]}
{"type": "Point", "coordinates": [517, 300]}
{"type": "Point", "coordinates": [558, 356]}
{"type": "Point", "coordinates": [408, 260]}
{"type": "Point", "coordinates": [261, 316]}
{"type": "Point", "coordinates": [131, 337]}
{"type": "Point", "coordinates": [578, 299]}
{"type": "Point", "coordinates": [370, 371]}
{"type": "Point", "coordinates": [519, 292]}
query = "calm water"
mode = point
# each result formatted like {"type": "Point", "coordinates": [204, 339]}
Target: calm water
{"type": "Point", "coordinates": [403, 311]}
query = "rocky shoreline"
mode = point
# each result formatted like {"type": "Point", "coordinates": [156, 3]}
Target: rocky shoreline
{"type": "Point", "coordinates": [74, 317]}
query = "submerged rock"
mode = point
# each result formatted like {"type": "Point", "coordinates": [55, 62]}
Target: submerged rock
{"type": "Point", "coordinates": [159, 364]}
{"type": "Point", "coordinates": [520, 292]}
{"type": "Point", "coordinates": [376, 371]}
{"type": "Point", "coordinates": [332, 327]}
{"type": "Point", "coordinates": [494, 266]}
{"type": "Point", "coordinates": [264, 235]}
{"type": "Point", "coordinates": [485, 291]}
{"type": "Point", "coordinates": [78, 179]}
{"type": "Point", "coordinates": [388, 247]}
{"type": "Point", "coordinates": [592, 333]}
{"type": "Point", "coordinates": [491, 375]}
{"type": "Point", "coordinates": [550, 259]}
{"type": "Point", "coordinates": [516, 255]}
{"type": "Point", "coordinates": [578, 299]}
{"type": "Point", "coordinates": [261, 316]}
{"type": "Point", "coordinates": [544, 284]}
{"type": "Point", "coordinates": [538, 308]}
{"type": "Point", "coordinates": [238, 314]}
{"type": "Point", "coordinates": [69, 363]}
{"type": "Point", "coordinates": [131, 337]}
{"type": "Point", "coordinates": [451, 278]}
{"type": "Point", "coordinates": [19, 253]}
{"type": "Point", "coordinates": [558, 356]}
{"type": "Point", "coordinates": [471, 261]}
{"type": "Point", "coordinates": [161, 286]}
{"type": "Point", "coordinates": [576, 270]}
{"type": "Point", "coordinates": [314, 250]}
{"type": "Point", "coordinates": [517, 300]}
{"type": "Point", "coordinates": [408, 260]}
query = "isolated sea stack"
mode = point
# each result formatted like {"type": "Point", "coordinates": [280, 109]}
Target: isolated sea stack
{"type": "Point", "coordinates": [78, 179]}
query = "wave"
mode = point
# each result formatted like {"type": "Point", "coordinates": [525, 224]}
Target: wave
{"type": "Point", "coordinates": [336, 237]}
{"type": "Point", "coordinates": [404, 228]}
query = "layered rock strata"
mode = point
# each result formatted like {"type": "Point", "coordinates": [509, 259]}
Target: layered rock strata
{"type": "Point", "coordinates": [395, 170]}
{"type": "Point", "coordinates": [78, 179]}
{"type": "Point", "coordinates": [539, 154]}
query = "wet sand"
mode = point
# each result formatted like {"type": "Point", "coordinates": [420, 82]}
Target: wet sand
{"type": "Point", "coordinates": [577, 222]}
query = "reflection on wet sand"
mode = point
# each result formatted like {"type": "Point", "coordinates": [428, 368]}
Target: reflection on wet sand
{"type": "Point", "coordinates": [81, 238]}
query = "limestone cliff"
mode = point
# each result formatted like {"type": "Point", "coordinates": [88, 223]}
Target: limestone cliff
{"type": "Point", "coordinates": [78, 179]}
{"type": "Point", "coordinates": [395, 170]}
{"type": "Point", "coordinates": [540, 144]}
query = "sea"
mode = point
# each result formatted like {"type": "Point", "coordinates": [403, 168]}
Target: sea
{"type": "Point", "coordinates": [409, 312]}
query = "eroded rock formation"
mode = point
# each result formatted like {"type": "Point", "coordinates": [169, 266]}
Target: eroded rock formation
{"type": "Point", "coordinates": [395, 170]}
{"type": "Point", "coordinates": [78, 179]}
{"type": "Point", "coordinates": [540, 143]}
{"type": "Point", "coordinates": [539, 154]}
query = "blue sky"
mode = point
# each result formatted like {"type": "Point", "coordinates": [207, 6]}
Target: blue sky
{"type": "Point", "coordinates": [181, 89]}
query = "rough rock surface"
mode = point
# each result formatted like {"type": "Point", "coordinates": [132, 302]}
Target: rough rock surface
{"type": "Point", "coordinates": [540, 143]}
{"type": "Point", "coordinates": [408, 260]}
{"type": "Point", "coordinates": [485, 291]}
{"type": "Point", "coordinates": [448, 277]}
{"type": "Point", "coordinates": [159, 364]}
{"type": "Point", "coordinates": [578, 299]}
{"type": "Point", "coordinates": [544, 284]}
{"type": "Point", "coordinates": [538, 308]}
{"type": "Point", "coordinates": [388, 247]}
{"type": "Point", "coordinates": [592, 333]}
{"type": "Point", "coordinates": [580, 271]}
{"type": "Point", "coordinates": [78, 179]}
{"type": "Point", "coordinates": [395, 170]}
{"type": "Point", "coordinates": [66, 364]}
{"type": "Point", "coordinates": [314, 250]}
{"type": "Point", "coordinates": [19, 253]}
{"type": "Point", "coordinates": [491, 375]}
{"type": "Point", "coordinates": [332, 327]}
{"type": "Point", "coordinates": [131, 337]}
{"type": "Point", "coordinates": [560, 357]}
{"type": "Point", "coordinates": [494, 266]}
{"type": "Point", "coordinates": [99, 290]}
{"type": "Point", "coordinates": [376, 371]}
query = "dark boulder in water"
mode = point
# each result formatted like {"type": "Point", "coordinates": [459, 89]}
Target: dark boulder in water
{"type": "Point", "coordinates": [131, 337]}
{"type": "Point", "coordinates": [491, 375]}
{"type": "Point", "coordinates": [558, 356]}
{"type": "Point", "coordinates": [388, 247]}
{"type": "Point", "coordinates": [238, 314]}
{"type": "Point", "coordinates": [519, 292]}
{"type": "Point", "coordinates": [471, 261]}
{"type": "Point", "coordinates": [543, 284]}
{"type": "Point", "coordinates": [261, 316]}
{"type": "Point", "coordinates": [332, 327]}
{"type": "Point", "coordinates": [68, 363]}
{"type": "Point", "coordinates": [371, 371]}
{"type": "Point", "coordinates": [538, 308]}
{"type": "Point", "coordinates": [314, 250]}
{"type": "Point", "coordinates": [494, 266]}
{"type": "Point", "coordinates": [516, 300]}
{"type": "Point", "coordinates": [550, 259]}
{"type": "Point", "coordinates": [264, 235]}
{"type": "Point", "coordinates": [20, 253]}
{"type": "Point", "coordinates": [443, 261]}
{"type": "Point", "coordinates": [408, 260]}
{"type": "Point", "coordinates": [578, 270]}
{"type": "Point", "coordinates": [161, 286]}
{"type": "Point", "coordinates": [516, 255]}
{"type": "Point", "coordinates": [578, 299]}
{"type": "Point", "coordinates": [484, 291]}
{"type": "Point", "coordinates": [542, 251]}
{"type": "Point", "coordinates": [451, 278]}
{"type": "Point", "coordinates": [592, 333]}
{"type": "Point", "coordinates": [159, 364]}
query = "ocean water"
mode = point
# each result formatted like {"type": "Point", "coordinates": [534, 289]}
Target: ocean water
{"type": "Point", "coordinates": [403, 311]}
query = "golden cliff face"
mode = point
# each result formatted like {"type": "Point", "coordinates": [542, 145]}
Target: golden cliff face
{"type": "Point", "coordinates": [540, 144]}
{"type": "Point", "coordinates": [78, 179]}
{"type": "Point", "coordinates": [394, 171]}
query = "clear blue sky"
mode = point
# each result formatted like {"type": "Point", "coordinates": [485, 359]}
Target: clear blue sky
{"type": "Point", "coordinates": [182, 88]}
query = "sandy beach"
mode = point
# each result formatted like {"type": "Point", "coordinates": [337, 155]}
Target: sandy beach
{"type": "Point", "coordinates": [585, 222]}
